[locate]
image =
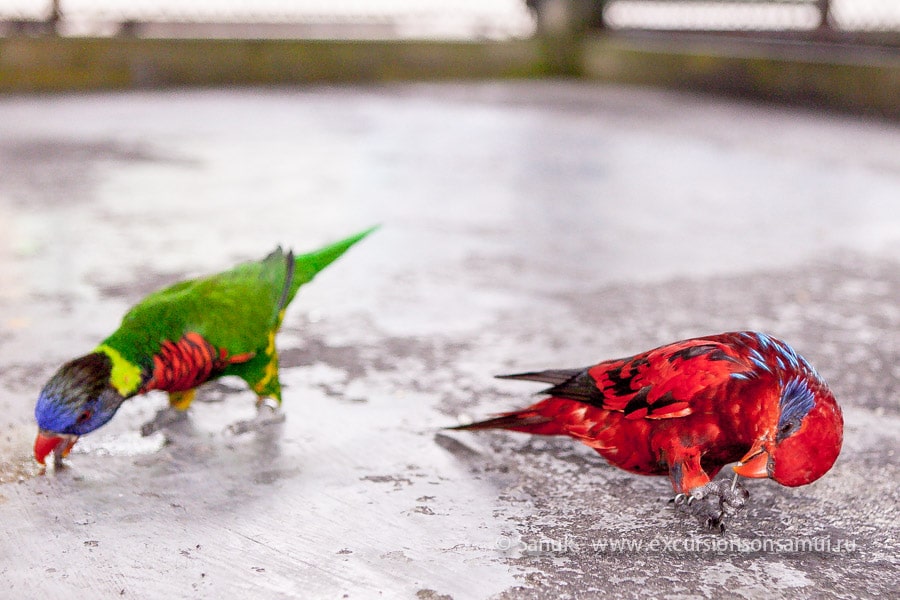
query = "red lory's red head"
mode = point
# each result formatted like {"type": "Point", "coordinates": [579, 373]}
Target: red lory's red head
{"type": "Point", "coordinates": [801, 438]}
{"type": "Point", "coordinates": [77, 400]}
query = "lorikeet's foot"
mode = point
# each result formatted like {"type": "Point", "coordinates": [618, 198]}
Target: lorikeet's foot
{"type": "Point", "coordinates": [164, 418]}
{"type": "Point", "coordinates": [267, 413]}
{"type": "Point", "coordinates": [713, 502]}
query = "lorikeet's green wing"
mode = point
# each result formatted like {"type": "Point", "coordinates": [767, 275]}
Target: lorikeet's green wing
{"type": "Point", "coordinates": [180, 335]}
{"type": "Point", "coordinates": [261, 373]}
{"type": "Point", "coordinates": [225, 324]}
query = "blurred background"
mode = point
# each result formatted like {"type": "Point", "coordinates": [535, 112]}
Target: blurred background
{"type": "Point", "coordinates": [558, 182]}
{"type": "Point", "coordinates": [837, 53]}
{"type": "Point", "coordinates": [465, 19]}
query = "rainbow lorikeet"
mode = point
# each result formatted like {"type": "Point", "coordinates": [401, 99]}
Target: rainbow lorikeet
{"type": "Point", "coordinates": [178, 338]}
{"type": "Point", "coordinates": [689, 408]}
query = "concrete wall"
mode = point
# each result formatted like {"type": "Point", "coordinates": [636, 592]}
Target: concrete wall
{"type": "Point", "coordinates": [854, 79]}
{"type": "Point", "coordinates": [58, 63]}
{"type": "Point", "coordinates": [833, 77]}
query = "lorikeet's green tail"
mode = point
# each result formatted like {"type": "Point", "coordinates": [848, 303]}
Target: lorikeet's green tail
{"type": "Point", "coordinates": [306, 266]}
{"type": "Point", "coordinates": [261, 373]}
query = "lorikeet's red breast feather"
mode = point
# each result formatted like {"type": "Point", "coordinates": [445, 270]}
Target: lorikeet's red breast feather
{"type": "Point", "coordinates": [185, 364]}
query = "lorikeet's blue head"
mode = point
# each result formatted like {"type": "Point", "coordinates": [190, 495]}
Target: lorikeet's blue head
{"type": "Point", "coordinates": [77, 400]}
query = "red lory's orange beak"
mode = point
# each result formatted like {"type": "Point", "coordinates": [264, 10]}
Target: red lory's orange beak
{"type": "Point", "coordinates": [49, 441]}
{"type": "Point", "coordinates": [756, 462]}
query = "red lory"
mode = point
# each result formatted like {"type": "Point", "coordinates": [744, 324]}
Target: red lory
{"type": "Point", "coordinates": [176, 339]}
{"type": "Point", "coordinates": [689, 408]}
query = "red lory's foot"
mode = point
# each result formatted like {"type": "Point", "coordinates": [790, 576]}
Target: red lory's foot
{"type": "Point", "coordinates": [267, 413]}
{"type": "Point", "coordinates": [713, 502]}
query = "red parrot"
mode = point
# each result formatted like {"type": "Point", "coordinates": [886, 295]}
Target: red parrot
{"type": "Point", "coordinates": [689, 408]}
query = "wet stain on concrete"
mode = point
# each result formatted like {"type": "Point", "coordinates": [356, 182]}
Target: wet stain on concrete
{"type": "Point", "coordinates": [66, 168]}
{"type": "Point", "coordinates": [134, 289]}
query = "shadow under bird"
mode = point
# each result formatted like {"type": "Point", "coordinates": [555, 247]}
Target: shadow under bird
{"type": "Point", "coordinates": [689, 408]}
{"type": "Point", "coordinates": [179, 338]}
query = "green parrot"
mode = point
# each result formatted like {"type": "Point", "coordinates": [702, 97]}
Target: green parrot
{"type": "Point", "coordinates": [178, 338]}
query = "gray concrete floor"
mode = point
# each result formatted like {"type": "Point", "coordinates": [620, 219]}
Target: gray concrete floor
{"type": "Point", "coordinates": [525, 225]}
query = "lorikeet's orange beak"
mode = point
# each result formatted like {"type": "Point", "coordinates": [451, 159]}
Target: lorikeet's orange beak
{"type": "Point", "coordinates": [756, 462]}
{"type": "Point", "coordinates": [48, 441]}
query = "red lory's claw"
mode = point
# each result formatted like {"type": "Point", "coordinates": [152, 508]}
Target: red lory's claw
{"type": "Point", "coordinates": [712, 503]}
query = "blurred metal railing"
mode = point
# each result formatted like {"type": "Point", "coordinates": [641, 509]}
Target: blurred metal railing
{"type": "Point", "coordinates": [839, 15]}
{"type": "Point", "coordinates": [472, 19]}
{"type": "Point", "coordinates": [836, 16]}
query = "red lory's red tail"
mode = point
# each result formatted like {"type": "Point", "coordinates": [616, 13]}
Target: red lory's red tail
{"type": "Point", "coordinates": [528, 420]}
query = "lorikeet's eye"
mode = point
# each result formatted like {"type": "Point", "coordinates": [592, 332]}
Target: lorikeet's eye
{"type": "Point", "coordinates": [84, 416]}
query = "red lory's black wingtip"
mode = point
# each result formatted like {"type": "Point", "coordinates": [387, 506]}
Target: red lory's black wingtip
{"type": "Point", "coordinates": [574, 384]}
{"type": "Point", "coordinates": [552, 376]}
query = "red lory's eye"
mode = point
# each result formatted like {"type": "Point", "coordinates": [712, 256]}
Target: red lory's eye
{"type": "Point", "coordinates": [83, 417]}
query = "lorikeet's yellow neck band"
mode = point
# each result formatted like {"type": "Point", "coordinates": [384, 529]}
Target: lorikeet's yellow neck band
{"type": "Point", "coordinates": [125, 377]}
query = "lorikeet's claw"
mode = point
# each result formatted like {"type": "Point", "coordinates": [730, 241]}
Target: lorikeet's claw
{"type": "Point", "coordinates": [164, 418]}
{"type": "Point", "coordinates": [267, 413]}
{"type": "Point", "coordinates": [713, 502]}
